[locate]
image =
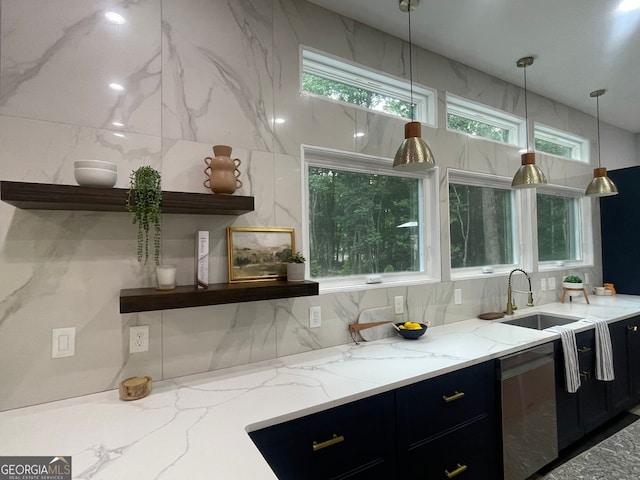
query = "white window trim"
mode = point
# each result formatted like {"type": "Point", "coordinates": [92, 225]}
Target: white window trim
{"type": "Point", "coordinates": [476, 111]}
{"type": "Point", "coordinates": [328, 66]}
{"type": "Point", "coordinates": [430, 238]}
{"type": "Point", "coordinates": [586, 229]}
{"type": "Point", "coordinates": [521, 229]}
{"type": "Point", "coordinates": [579, 145]}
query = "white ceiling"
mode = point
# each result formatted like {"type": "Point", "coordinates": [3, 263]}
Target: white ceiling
{"type": "Point", "coordinates": [578, 45]}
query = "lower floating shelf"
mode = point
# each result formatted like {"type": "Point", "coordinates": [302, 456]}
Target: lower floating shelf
{"type": "Point", "coordinates": [185, 296]}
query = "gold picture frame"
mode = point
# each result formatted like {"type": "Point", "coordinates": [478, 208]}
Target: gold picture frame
{"type": "Point", "coordinates": [258, 253]}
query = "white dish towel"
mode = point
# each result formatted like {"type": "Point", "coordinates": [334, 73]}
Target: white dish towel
{"type": "Point", "coordinates": [604, 354]}
{"type": "Point", "coordinates": [571, 369]}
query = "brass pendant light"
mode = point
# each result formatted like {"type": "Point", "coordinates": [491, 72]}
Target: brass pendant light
{"type": "Point", "coordinates": [529, 174]}
{"type": "Point", "coordinates": [414, 154]}
{"type": "Point", "coordinates": [601, 185]}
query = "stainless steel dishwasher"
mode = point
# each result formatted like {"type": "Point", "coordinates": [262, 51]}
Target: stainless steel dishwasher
{"type": "Point", "coordinates": [529, 425]}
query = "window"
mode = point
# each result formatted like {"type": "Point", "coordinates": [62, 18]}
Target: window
{"type": "Point", "coordinates": [366, 219]}
{"type": "Point", "coordinates": [482, 222]}
{"type": "Point", "coordinates": [335, 79]}
{"type": "Point", "coordinates": [563, 144]}
{"type": "Point", "coordinates": [565, 235]}
{"type": "Point", "coordinates": [481, 121]}
{"type": "Point", "coordinates": [558, 228]}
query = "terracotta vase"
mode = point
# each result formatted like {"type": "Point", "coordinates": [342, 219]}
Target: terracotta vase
{"type": "Point", "coordinates": [222, 171]}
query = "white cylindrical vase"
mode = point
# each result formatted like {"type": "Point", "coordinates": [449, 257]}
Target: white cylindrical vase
{"type": "Point", "coordinates": [166, 277]}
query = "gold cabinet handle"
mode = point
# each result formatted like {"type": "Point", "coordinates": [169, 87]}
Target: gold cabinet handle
{"type": "Point", "coordinates": [456, 395]}
{"type": "Point", "coordinates": [586, 375]}
{"type": "Point", "coordinates": [584, 349]}
{"type": "Point", "coordinates": [457, 471]}
{"type": "Point", "coordinates": [327, 443]}
{"type": "Point", "coordinates": [632, 328]}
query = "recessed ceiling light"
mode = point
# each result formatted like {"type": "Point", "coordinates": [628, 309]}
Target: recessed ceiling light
{"type": "Point", "coordinates": [116, 86]}
{"type": "Point", "coordinates": [358, 134]}
{"type": "Point", "coordinates": [628, 5]}
{"type": "Point", "coordinates": [115, 18]}
{"type": "Point", "coordinates": [279, 120]}
{"type": "Point", "coordinates": [117, 124]}
{"type": "Point", "coordinates": [121, 135]}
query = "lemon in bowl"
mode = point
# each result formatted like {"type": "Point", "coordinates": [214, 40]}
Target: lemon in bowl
{"type": "Point", "coordinates": [411, 330]}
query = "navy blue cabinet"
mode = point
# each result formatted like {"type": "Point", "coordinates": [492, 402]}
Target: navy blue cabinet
{"type": "Point", "coordinates": [438, 428]}
{"type": "Point", "coordinates": [353, 441]}
{"type": "Point", "coordinates": [620, 387]}
{"type": "Point", "coordinates": [579, 413]}
{"type": "Point", "coordinates": [620, 229]}
{"type": "Point", "coordinates": [447, 426]}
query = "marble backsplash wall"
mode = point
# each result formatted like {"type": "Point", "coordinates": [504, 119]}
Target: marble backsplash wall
{"type": "Point", "coordinates": [197, 73]}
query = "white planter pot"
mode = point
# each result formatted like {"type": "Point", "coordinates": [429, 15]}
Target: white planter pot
{"type": "Point", "coordinates": [295, 272]}
{"type": "Point", "coordinates": [574, 289]}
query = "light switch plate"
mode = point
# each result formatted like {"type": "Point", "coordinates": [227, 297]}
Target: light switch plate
{"type": "Point", "coordinates": [398, 303]}
{"type": "Point", "coordinates": [63, 342]}
{"type": "Point", "coordinates": [457, 296]}
{"type": "Point", "coordinates": [551, 283]}
{"type": "Point", "coordinates": [543, 284]}
{"type": "Point", "coordinates": [315, 317]}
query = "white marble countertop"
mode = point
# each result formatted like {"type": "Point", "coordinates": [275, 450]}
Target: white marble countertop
{"type": "Point", "coordinates": [195, 427]}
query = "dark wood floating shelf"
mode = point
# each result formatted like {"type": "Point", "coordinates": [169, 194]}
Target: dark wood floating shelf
{"type": "Point", "coordinates": [147, 299]}
{"type": "Point", "coordinates": [44, 196]}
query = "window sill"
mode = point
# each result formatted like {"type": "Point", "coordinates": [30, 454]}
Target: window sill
{"type": "Point", "coordinates": [327, 286]}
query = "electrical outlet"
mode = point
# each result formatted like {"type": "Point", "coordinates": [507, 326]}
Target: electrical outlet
{"type": "Point", "coordinates": [63, 342]}
{"type": "Point", "coordinates": [457, 296]}
{"type": "Point", "coordinates": [315, 317]}
{"type": "Point", "coordinates": [398, 303]}
{"type": "Point", "coordinates": [551, 283]}
{"type": "Point", "coordinates": [139, 339]}
{"type": "Point", "coordinates": [543, 284]}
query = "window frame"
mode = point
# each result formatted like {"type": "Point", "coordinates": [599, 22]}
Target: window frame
{"type": "Point", "coordinates": [429, 242]}
{"type": "Point", "coordinates": [338, 69]}
{"type": "Point", "coordinates": [585, 230]}
{"type": "Point", "coordinates": [479, 112]}
{"type": "Point", "coordinates": [521, 229]}
{"type": "Point", "coordinates": [579, 145]}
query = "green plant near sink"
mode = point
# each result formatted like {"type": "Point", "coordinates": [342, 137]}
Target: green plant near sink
{"type": "Point", "coordinates": [572, 279]}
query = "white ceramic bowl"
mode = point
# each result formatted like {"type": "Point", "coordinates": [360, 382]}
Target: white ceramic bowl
{"type": "Point", "coordinates": [95, 177]}
{"type": "Point", "coordinates": [96, 164]}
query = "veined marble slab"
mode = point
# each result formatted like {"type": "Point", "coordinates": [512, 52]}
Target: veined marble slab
{"type": "Point", "coordinates": [188, 428]}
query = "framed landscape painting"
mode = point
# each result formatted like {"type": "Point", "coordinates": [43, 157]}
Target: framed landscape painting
{"type": "Point", "coordinates": [259, 253]}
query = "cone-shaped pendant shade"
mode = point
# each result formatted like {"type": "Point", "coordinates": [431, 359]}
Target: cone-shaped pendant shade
{"type": "Point", "coordinates": [601, 185]}
{"type": "Point", "coordinates": [529, 174]}
{"type": "Point", "coordinates": [414, 155]}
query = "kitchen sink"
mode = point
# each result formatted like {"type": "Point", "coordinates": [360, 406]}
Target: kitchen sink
{"type": "Point", "coordinates": [540, 321]}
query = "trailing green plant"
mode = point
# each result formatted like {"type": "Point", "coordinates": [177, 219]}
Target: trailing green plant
{"type": "Point", "coordinates": [296, 258]}
{"type": "Point", "coordinates": [143, 203]}
{"type": "Point", "coordinates": [572, 279]}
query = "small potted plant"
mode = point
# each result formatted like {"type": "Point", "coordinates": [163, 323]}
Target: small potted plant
{"type": "Point", "coordinates": [295, 267]}
{"type": "Point", "coordinates": [144, 205]}
{"type": "Point", "coordinates": [573, 284]}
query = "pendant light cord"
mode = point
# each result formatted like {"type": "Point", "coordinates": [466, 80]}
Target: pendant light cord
{"type": "Point", "coordinates": [598, 116]}
{"type": "Point", "coordinates": [526, 109]}
{"type": "Point", "coordinates": [410, 65]}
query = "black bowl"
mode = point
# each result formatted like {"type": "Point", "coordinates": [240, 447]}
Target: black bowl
{"type": "Point", "coordinates": [411, 334]}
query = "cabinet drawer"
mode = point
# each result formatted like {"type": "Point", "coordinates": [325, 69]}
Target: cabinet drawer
{"type": "Point", "coordinates": [468, 453]}
{"type": "Point", "coordinates": [429, 407]}
{"type": "Point", "coordinates": [345, 442]}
